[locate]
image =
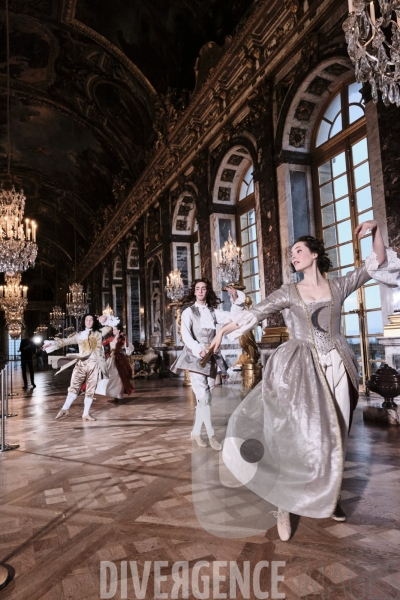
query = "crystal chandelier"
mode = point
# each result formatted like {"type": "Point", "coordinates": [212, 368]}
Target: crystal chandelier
{"type": "Point", "coordinates": [41, 329]}
{"type": "Point", "coordinates": [229, 262]}
{"type": "Point", "coordinates": [18, 248]}
{"type": "Point", "coordinates": [57, 317]}
{"type": "Point", "coordinates": [76, 301]}
{"type": "Point", "coordinates": [374, 52]}
{"type": "Point", "coordinates": [13, 300]}
{"type": "Point", "coordinates": [175, 287]}
{"type": "Point", "coordinates": [14, 329]}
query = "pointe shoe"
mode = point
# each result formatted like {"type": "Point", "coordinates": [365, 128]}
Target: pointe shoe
{"type": "Point", "coordinates": [88, 418]}
{"type": "Point", "coordinates": [199, 440]}
{"type": "Point", "coordinates": [63, 412]}
{"type": "Point", "coordinates": [214, 443]}
{"type": "Point", "coordinates": [284, 527]}
{"type": "Point", "coordinates": [338, 514]}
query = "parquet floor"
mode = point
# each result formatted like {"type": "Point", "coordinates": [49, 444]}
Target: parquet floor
{"type": "Point", "coordinates": [121, 489]}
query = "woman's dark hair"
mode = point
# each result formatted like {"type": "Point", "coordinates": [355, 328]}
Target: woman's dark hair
{"type": "Point", "coordinates": [323, 261]}
{"type": "Point", "coordinates": [96, 324]}
{"type": "Point", "coordinates": [212, 299]}
{"type": "Point", "coordinates": [119, 327]}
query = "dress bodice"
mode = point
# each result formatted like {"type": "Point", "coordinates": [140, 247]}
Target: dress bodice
{"type": "Point", "coordinates": [320, 316]}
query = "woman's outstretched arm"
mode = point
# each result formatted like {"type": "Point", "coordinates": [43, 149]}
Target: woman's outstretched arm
{"type": "Point", "coordinates": [377, 242]}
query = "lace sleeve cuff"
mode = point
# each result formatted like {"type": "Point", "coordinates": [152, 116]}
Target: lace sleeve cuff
{"type": "Point", "coordinates": [246, 321]}
{"type": "Point", "coordinates": [388, 272]}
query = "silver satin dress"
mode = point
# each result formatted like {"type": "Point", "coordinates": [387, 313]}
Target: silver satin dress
{"type": "Point", "coordinates": [285, 441]}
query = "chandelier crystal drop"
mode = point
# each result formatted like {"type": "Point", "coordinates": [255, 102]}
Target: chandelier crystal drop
{"type": "Point", "coordinates": [57, 317]}
{"type": "Point", "coordinates": [229, 261]}
{"type": "Point", "coordinates": [175, 287]}
{"type": "Point", "coordinates": [373, 45]}
{"type": "Point", "coordinates": [18, 249]}
{"type": "Point", "coordinates": [76, 301]}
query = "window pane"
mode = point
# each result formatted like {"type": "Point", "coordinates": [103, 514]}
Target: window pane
{"type": "Point", "coordinates": [364, 199]}
{"type": "Point", "coordinates": [366, 245]}
{"type": "Point", "coordinates": [323, 133]}
{"type": "Point", "coordinates": [254, 282]}
{"type": "Point", "coordinates": [252, 216]}
{"type": "Point", "coordinates": [330, 237]}
{"type": "Point", "coordinates": [245, 236]}
{"type": "Point", "coordinates": [351, 325]}
{"type": "Point", "coordinates": [372, 297]}
{"type": "Point", "coordinates": [342, 209]}
{"type": "Point", "coordinates": [361, 175]}
{"type": "Point", "coordinates": [367, 216]}
{"type": "Point", "coordinates": [326, 194]}
{"type": "Point", "coordinates": [355, 113]}
{"type": "Point", "coordinates": [251, 187]}
{"type": "Point", "coordinates": [340, 186]}
{"type": "Point", "coordinates": [377, 350]}
{"type": "Point", "coordinates": [355, 346]}
{"type": "Point", "coordinates": [333, 255]}
{"type": "Point", "coordinates": [374, 321]}
{"type": "Point", "coordinates": [346, 254]}
{"type": "Point", "coordinates": [328, 215]}
{"type": "Point", "coordinates": [346, 270]}
{"type": "Point", "coordinates": [360, 151]}
{"type": "Point", "coordinates": [325, 172]}
{"type": "Point", "coordinates": [337, 126]}
{"type": "Point", "coordinates": [339, 164]}
{"type": "Point", "coordinates": [333, 109]}
{"type": "Point", "coordinates": [332, 274]}
{"type": "Point", "coordinates": [253, 249]}
{"type": "Point", "coordinates": [254, 265]}
{"type": "Point", "coordinates": [252, 233]}
{"type": "Point", "coordinates": [243, 221]}
{"type": "Point", "coordinates": [351, 302]}
{"type": "Point", "coordinates": [344, 232]}
{"type": "Point", "coordinates": [246, 269]}
{"type": "Point", "coordinates": [354, 93]}
{"type": "Point", "coordinates": [243, 191]}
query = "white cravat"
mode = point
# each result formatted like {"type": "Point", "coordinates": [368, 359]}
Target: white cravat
{"type": "Point", "coordinates": [206, 320]}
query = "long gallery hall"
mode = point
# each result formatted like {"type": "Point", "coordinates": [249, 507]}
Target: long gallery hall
{"type": "Point", "coordinates": [199, 299]}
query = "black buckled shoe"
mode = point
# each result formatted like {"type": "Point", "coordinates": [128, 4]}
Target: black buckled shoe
{"type": "Point", "coordinates": [339, 514]}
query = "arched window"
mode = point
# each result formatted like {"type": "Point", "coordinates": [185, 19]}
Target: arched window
{"type": "Point", "coordinates": [246, 227]}
{"type": "Point", "coordinates": [196, 268]}
{"type": "Point", "coordinates": [106, 278]}
{"type": "Point", "coordinates": [133, 255]}
{"type": "Point", "coordinates": [117, 268]}
{"type": "Point", "coordinates": [343, 200]}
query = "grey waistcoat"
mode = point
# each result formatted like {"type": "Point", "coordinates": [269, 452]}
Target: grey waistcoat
{"type": "Point", "coordinates": [187, 360]}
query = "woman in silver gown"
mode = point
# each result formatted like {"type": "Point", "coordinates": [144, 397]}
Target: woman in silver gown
{"type": "Point", "coordinates": [295, 422]}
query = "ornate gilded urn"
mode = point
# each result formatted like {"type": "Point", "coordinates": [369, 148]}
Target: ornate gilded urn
{"type": "Point", "coordinates": [386, 382]}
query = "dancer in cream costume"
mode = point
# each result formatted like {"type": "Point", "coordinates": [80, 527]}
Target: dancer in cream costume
{"type": "Point", "coordinates": [88, 362]}
{"type": "Point", "coordinates": [198, 327]}
{"type": "Point", "coordinates": [298, 418]}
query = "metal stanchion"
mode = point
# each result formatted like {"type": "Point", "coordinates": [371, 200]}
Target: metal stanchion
{"type": "Point", "coordinates": [4, 400]}
{"type": "Point", "coordinates": [11, 393]}
{"type": "Point", "coordinates": [7, 414]}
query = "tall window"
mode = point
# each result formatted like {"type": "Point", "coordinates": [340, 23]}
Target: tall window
{"type": "Point", "coordinates": [117, 268]}
{"type": "Point", "coordinates": [344, 199]}
{"type": "Point", "coordinates": [196, 269]}
{"type": "Point", "coordinates": [248, 236]}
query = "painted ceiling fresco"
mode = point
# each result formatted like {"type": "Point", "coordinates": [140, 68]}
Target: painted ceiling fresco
{"type": "Point", "coordinates": [86, 80]}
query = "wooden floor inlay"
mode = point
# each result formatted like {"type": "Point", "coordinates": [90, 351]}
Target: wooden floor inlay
{"type": "Point", "coordinates": [119, 489]}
